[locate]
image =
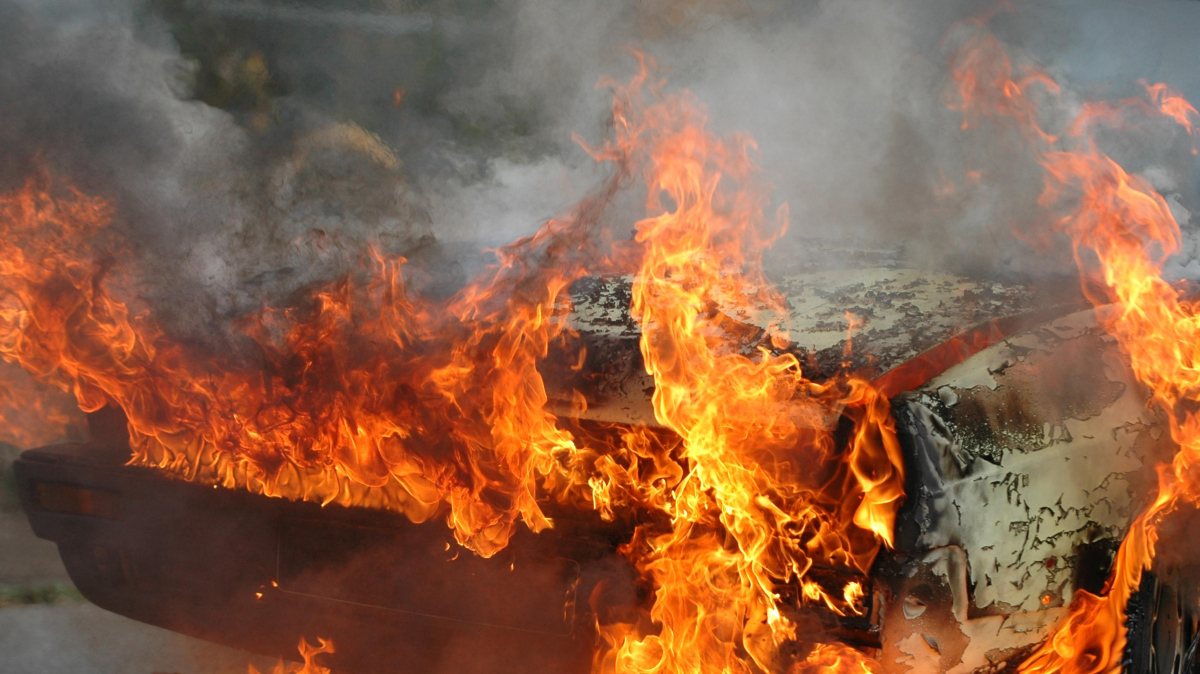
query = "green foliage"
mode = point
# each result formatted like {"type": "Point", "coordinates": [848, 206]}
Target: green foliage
{"type": "Point", "coordinates": [54, 593]}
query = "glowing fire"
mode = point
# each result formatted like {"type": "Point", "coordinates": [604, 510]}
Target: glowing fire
{"type": "Point", "coordinates": [1123, 232]}
{"type": "Point", "coordinates": [309, 653]}
{"type": "Point", "coordinates": [33, 414]}
{"type": "Point", "coordinates": [834, 659]}
{"type": "Point", "coordinates": [369, 395]}
{"type": "Point", "coordinates": [751, 512]}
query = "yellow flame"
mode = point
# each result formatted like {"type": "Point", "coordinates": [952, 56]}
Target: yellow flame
{"type": "Point", "coordinates": [374, 396]}
{"type": "Point", "coordinates": [1124, 224]}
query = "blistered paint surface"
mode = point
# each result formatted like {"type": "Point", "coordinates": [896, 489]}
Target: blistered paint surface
{"type": "Point", "coordinates": [898, 312]}
{"type": "Point", "coordinates": [896, 315]}
{"type": "Point", "coordinates": [1034, 452]}
{"type": "Point", "coordinates": [1031, 456]}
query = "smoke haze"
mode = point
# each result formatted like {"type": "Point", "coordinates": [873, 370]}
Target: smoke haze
{"type": "Point", "coordinates": [254, 148]}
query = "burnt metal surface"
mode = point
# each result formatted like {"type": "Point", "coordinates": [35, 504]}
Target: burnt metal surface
{"type": "Point", "coordinates": [898, 314]}
{"type": "Point", "coordinates": [260, 573]}
{"type": "Point", "coordinates": [1026, 460]}
{"type": "Point", "coordinates": [1026, 464]}
{"type": "Point", "coordinates": [1163, 626]}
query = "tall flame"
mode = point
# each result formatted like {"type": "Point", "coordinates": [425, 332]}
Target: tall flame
{"type": "Point", "coordinates": [766, 495]}
{"type": "Point", "coordinates": [370, 395]}
{"type": "Point", "coordinates": [364, 397]}
{"type": "Point", "coordinates": [1123, 232]}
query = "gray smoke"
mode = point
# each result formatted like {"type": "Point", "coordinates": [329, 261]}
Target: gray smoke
{"type": "Point", "coordinates": [252, 148]}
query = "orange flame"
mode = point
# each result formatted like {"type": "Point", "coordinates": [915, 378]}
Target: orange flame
{"type": "Point", "coordinates": [1170, 103]}
{"type": "Point", "coordinates": [366, 398]}
{"type": "Point", "coordinates": [853, 594]}
{"type": "Point", "coordinates": [33, 414]}
{"type": "Point", "coordinates": [834, 659]}
{"type": "Point", "coordinates": [766, 495]}
{"type": "Point", "coordinates": [369, 395]}
{"type": "Point", "coordinates": [1121, 222]}
{"type": "Point", "coordinates": [309, 653]}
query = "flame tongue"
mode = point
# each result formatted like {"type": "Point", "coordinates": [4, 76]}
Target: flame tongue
{"type": "Point", "coordinates": [368, 397]}
{"type": "Point", "coordinates": [371, 396]}
{"type": "Point", "coordinates": [1121, 222]}
{"type": "Point", "coordinates": [310, 654]}
{"type": "Point", "coordinates": [767, 494]}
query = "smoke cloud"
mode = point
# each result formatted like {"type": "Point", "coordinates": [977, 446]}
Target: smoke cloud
{"type": "Point", "coordinates": [253, 148]}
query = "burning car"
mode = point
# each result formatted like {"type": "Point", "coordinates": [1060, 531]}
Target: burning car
{"type": "Point", "coordinates": [644, 453]}
{"type": "Point", "coordinates": [1026, 443]}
